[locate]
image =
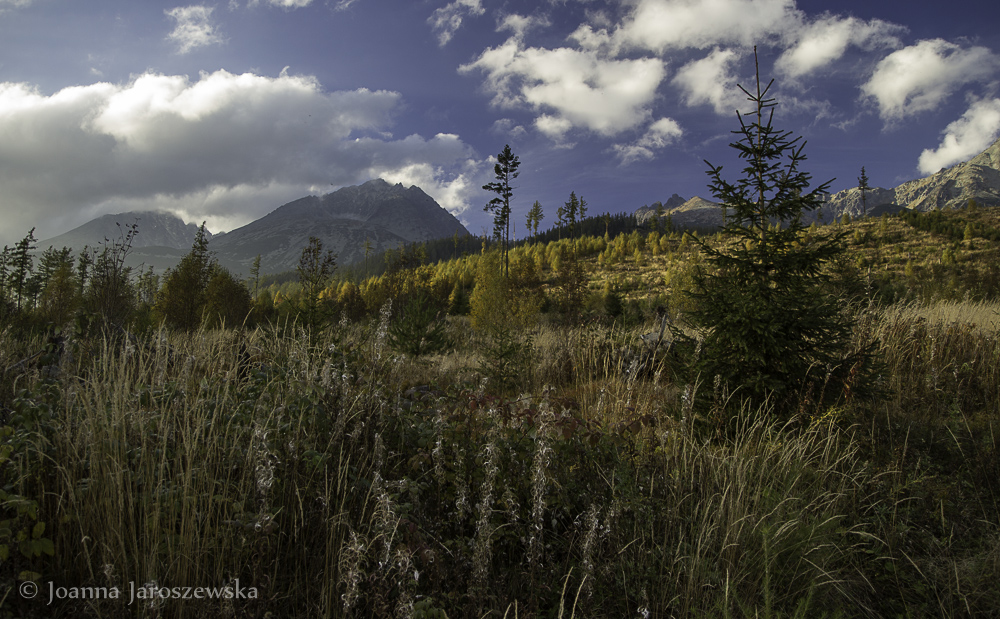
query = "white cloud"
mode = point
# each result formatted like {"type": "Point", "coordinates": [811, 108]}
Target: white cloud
{"type": "Point", "coordinates": [920, 77]}
{"type": "Point", "coordinates": [193, 29]}
{"type": "Point", "coordinates": [296, 4]}
{"type": "Point", "coordinates": [569, 87]}
{"type": "Point", "coordinates": [448, 19]}
{"type": "Point", "coordinates": [659, 135]}
{"type": "Point", "coordinates": [710, 81]}
{"type": "Point", "coordinates": [16, 4]}
{"type": "Point", "coordinates": [168, 140]}
{"type": "Point", "coordinates": [659, 25]}
{"type": "Point", "coordinates": [965, 138]}
{"type": "Point", "coordinates": [555, 127]}
{"type": "Point", "coordinates": [518, 25]}
{"type": "Point", "coordinates": [825, 40]}
{"type": "Point", "coordinates": [507, 126]}
{"type": "Point", "coordinates": [453, 190]}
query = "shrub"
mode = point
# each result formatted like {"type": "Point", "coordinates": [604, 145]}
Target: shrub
{"type": "Point", "coordinates": [418, 330]}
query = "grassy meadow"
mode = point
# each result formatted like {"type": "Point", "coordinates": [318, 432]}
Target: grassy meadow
{"type": "Point", "coordinates": [548, 466]}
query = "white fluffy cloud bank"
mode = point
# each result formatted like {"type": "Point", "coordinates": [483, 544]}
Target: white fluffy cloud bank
{"type": "Point", "coordinates": [191, 146]}
{"type": "Point", "coordinates": [817, 44]}
{"type": "Point", "coordinates": [660, 25]}
{"type": "Point", "coordinates": [658, 136]}
{"type": "Point", "coordinates": [571, 88]}
{"type": "Point", "coordinates": [920, 77]}
{"type": "Point", "coordinates": [711, 81]}
{"type": "Point", "coordinates": [964, 138]}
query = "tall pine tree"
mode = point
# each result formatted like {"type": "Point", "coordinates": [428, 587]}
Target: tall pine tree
{"type": "Point", "coordinates": [505, 171]}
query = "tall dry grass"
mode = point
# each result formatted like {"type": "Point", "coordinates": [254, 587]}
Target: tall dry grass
{"type": "Point", "coordinates": [340, 479]}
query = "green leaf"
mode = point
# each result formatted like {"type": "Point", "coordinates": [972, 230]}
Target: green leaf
{"type": "Point", "coordinates": [29, 576]}
{"type": "Point", "coordinates": [45, 546]}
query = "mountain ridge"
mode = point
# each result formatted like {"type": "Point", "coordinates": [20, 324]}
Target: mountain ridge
{"type": "Point", "coordinates": [976, 179]}
{"type": "Point", "coordinates": [159, 230]}
{"type": "Point", "coordinates": [383, 215]}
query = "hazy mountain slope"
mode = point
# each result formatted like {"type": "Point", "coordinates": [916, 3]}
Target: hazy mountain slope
{"type": "Point", "coordinates": [155, 230]}
{"type": "Point", "coordinates": [386, 215]}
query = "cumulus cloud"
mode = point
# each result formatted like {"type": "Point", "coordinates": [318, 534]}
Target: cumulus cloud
{"type": "Point", "coordinates": [918, 78]}
{"type": "Point", "coordinates": [193, 29]}
{"type": "Point", "coordinates": [165, 139]}
{"type": "Point", "coordinates": [710, 81]}
{"type": "Point", "coordinates": [660, 25]}
{"type": "Point", "coordinates": [570, 88]}
{"type": "Point", "coordinates": [965, 138]}
{"type": "Point", "coordinates": [826, 39]}
{"type": "Point", "coordinates": [659, 135]}
{"type": "Point", "coordinates": [452, 190]}
{"type": "Point", "coordinates": [448, 19]}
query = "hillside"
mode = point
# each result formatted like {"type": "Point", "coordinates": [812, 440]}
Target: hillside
{"type": "Point", "coordinates": [977, 179]}
{"type": "Point", "coordinates": [384, 215]}
{"type": "Point", "coordinates": [155, 230]}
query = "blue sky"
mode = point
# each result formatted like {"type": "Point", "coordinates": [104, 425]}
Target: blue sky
{"type": "Point", "coordinates": [222, 111]}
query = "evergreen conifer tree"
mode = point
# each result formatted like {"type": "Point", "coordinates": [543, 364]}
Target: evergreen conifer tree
{"type": "Point", "coordinates": [181, 300]}
{"type": "Point", "coordinates": [535, 217]}
{"type": "Point", "coordinates": [418, 330]}
{"type": "Point", "coordinates": [863, 186]}
{"type": "Point", "coordinates": [315, 271]}
{"type": "Point", "coordinates": [768, 324]}
{"type": "Point", "coordinates": [21, 264]}
{"type": "Point", "coordinates": [505, 171]}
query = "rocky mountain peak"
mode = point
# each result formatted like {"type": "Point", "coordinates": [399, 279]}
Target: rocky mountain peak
{"type": "Point", "coordinates": [383, 215]}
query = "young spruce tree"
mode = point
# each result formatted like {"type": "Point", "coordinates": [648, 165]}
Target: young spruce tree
{"type": "Point", "coordinates": [770, 328]}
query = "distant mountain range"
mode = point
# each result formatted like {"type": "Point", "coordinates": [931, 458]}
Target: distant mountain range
{"type": "Point", "coordinates": [385, 215]}
{"type": "Point", "coordinates": [155, 230]}
{"type": "Point", "coordinates": [977, 179]}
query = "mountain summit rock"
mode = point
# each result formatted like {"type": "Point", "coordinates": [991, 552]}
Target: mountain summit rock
{"type": "Point", "coordinates": [386, 215]}
{"type": "Point", "coordinates": [977, 179]}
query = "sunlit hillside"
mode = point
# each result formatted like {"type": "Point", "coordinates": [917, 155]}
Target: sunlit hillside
{"type": "Point", "coordinates": [443, 440]}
